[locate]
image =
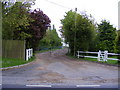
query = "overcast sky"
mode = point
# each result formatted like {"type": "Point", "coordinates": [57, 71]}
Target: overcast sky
{"type": "Point", "coordinates": [99, 9]}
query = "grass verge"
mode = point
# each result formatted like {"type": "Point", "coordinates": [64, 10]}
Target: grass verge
{"type": "Point", "coordinates": [8, 62]}
{"type": "Point", "coordinates": [111, 62]}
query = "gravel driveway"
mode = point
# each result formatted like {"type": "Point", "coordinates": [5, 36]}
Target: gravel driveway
{"type": "Point", "coordinates": [57, 69]}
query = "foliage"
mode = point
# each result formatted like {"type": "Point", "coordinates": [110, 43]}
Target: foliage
{"type": "Point", "coordinates": [19, 23]}
{"type": "Point", "coordinates": [8, 62]}
{"type": "Point", "coordinates": [78, 31]}
{"type": "Point", "coordinates": [117, 43]}
{"type": "Point", "coordinates": [106, 36]}
{"type": "Point", "coordinates": [15, 20]}
{"type": "Point", "coordinates": [51, 40]}
{"type": "Point", "coordinates": [37, 28]}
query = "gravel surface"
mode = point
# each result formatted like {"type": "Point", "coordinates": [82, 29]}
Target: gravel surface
{"type": "Point", "coordinates": [59, 70]}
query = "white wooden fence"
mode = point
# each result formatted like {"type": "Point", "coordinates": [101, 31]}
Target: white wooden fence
{"type": "Point", "coordinates": [102, 55]}
{"type": "Point", "coordinates": [29, 54]}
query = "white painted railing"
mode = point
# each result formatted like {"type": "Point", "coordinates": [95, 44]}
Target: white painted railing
{"type": "Point", "coordinates": [29, 54]}
{"type": "Point", "coordinates": [102, 55]}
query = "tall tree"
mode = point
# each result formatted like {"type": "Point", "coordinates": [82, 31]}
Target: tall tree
{"type": "Point", "coordinates": [106, 36]}
{"type": "Point", "coordinates": [51, 39]}
{"type": "Point", "coordinates": [78, 31]}
{"type": "Point", "coordinates": [117, 43]}
{"type": "Point", "coordinates": [37, 28]}
{"type": "Point", "coordinates": [15, 19]}
{"type": "Point", "coordinates": [22, 24]}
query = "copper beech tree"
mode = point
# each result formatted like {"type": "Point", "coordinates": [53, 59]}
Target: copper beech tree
{"type": "Point", "coordinates": [37, 28]}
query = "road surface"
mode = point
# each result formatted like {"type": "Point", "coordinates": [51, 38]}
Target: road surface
{"type": "Point", "coordinates": [58, 70]}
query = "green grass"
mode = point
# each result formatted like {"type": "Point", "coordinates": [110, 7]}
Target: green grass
{"type": "Point", "coordinates": [7, 62]}
{"type": "Point", "coordinates": [112, 56]}
{"type": "Point", "coordinates": [112, 62]}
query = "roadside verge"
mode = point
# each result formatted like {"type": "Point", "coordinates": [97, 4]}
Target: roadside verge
{"type": "Point", "coordinates": [17, 66]}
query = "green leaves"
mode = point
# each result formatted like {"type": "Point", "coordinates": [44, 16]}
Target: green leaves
{"type": "Point", "coordinates": [15, 16]}
{"type": "Point", "coordinates": [51, 40]}
{"type": "Point", "coordinates": [117, 43]}
{"type": "Point", "coordinates": [77, 30]}
{"type": "Point", "coordinates": [106, 36]}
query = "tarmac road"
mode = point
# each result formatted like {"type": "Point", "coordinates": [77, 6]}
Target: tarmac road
{"type": "Point", "coordinates": [56, 70]}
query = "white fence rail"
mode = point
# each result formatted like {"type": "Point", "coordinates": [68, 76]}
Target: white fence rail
{"type": "Point", "coordinates": [29, 54]}
{"type": "Point", "coordinates": [102, 55]}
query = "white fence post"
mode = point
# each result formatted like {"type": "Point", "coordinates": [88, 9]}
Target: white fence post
{"type": "Point", "coordinates": [27, 54]}
{"type": "Point", "coordinates": [105, 55]}
{"type": "Point", "coordinates": [99, 55]}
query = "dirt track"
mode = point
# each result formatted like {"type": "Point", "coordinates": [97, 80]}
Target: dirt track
{"type": "Point", "coordinates": [58, 69]}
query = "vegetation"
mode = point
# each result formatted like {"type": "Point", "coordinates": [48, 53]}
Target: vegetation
{"type": "Point", "coordinates": [50, 40]}
{"type": "Point", "coordinates": [83, 34]}
{"type": "Point", "coordinates": [37, 28]}
{"type": "Point", "coordinates": [19, 23]}
{"type": "Point", "coordinates": [111, 62]}
{"type": "Point", "coordinates": [117, 43]}
{"type": "Point", "coordinates": [106, 36]}
{"type": "Point", "coordinates": [15, 18]}
{"type": "Point", "coordinates": [7, 62]}
{"type": "Point", "coordinates": [78, 31]}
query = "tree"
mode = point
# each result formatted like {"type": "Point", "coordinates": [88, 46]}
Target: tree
{"type": "Point", "coordinates": [51, 40]}
{"type": "Point", "coordinates": [37, 28]}
{"type": "Point", "coordinates": [19, 23]}
{"type": "Point", "coordinates": [15, 19]}
{"type": "Point", "coordinates": [117, 43]}
{"type": "Point", "coordinates": [106, 36]}
{"type": "Point", "coordinates": [78, 31]}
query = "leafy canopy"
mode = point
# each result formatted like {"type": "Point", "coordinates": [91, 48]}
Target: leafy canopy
{"type": "Point", "coordinates": [77, 30]}
{"type": "Point", "coordinates": [106, 36]}
{"type": "Point", "coordinates": [51, 40]}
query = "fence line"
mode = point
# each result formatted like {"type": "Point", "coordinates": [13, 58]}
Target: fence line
{"type": "Point", "coordinates": [102, 55]}
{"type": "Point", "coordinates": [13, 49]}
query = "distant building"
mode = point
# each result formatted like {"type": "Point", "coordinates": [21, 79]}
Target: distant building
{"type": "Point", "coordinates": [119, 15]}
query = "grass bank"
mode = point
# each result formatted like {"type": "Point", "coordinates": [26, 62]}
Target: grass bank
{"type": "Point", "coordinates": [8, 62]}
{"type": "Point", "coordinates": [111, 62]}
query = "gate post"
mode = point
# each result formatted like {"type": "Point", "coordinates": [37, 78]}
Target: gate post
{"type": "Point", "coordinates": [105, 55]}
{"type": "Point", "coordinates": [99, 55]}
